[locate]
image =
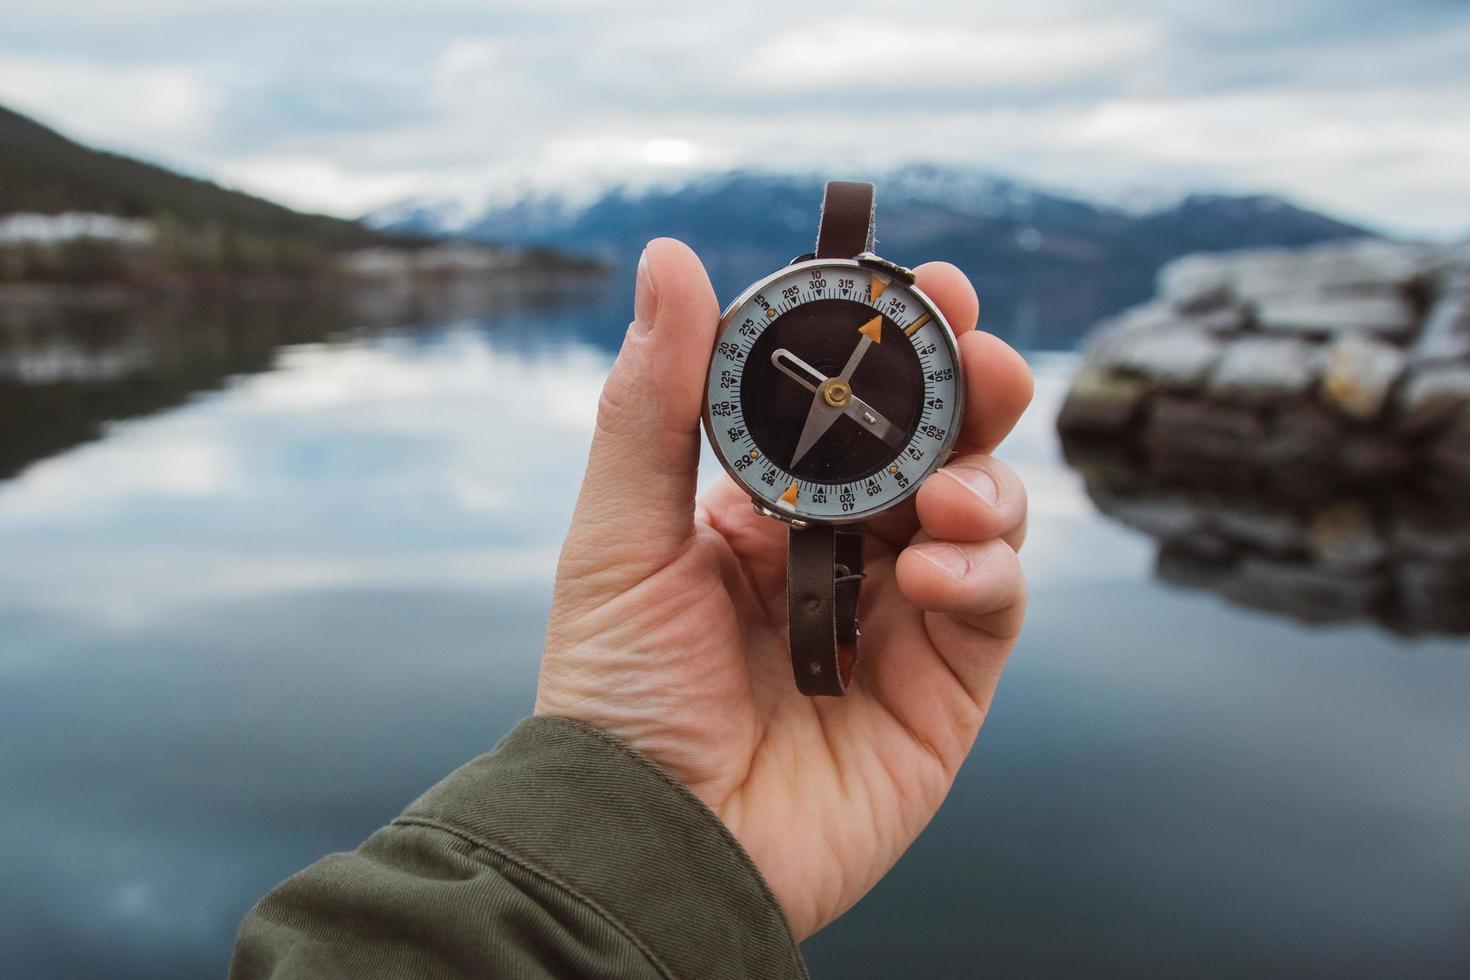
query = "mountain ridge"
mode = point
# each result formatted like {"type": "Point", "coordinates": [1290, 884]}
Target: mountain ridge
{"type": "Point", "coordinates": [1046, 263]}
{"type": "Point", "coordinates": [46, 172]}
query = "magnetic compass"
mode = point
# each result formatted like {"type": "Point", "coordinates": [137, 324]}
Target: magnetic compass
{"type": "Point", "coordinates": [834, 389]}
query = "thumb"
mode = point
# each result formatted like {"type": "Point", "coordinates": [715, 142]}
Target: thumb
{"type": "Point", "coordinates": [636, 508]}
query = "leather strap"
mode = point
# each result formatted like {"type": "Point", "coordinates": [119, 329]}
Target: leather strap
{"type": "Point", "coordinates": [824, 568]}
{"type": "Point", "coordinates": [824, 573]}
{"type": "Point", "coordinates": [846, 227]}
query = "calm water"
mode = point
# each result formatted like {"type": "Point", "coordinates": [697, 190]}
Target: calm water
{"type": "Point", "coordinates": [307, 572]}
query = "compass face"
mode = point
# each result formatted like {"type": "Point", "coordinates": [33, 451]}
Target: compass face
{"type": "Point", "coordinates": [834, 389]}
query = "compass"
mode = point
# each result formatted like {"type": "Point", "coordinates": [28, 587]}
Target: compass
{"type": "Point", "coordinates": [834, 389]}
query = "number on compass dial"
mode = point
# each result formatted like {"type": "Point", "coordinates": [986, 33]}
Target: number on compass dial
{"type": "Point", "coordinates": [833, 391]}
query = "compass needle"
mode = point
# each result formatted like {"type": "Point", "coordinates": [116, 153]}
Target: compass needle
{"type": "Point", "coordinates": [797, 370]}
{"type": "Point", "coordinates": [827, 403]}
{"type": "Point", "coordinates": [819, 419]}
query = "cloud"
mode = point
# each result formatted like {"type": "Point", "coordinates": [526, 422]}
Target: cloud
{"type": "Point", "coordinates": [852, 59]}
{"type": "Point", "coordinates": [433, 452]}
{"type": "Point", "coordinates": [314, 182]}
{"type": "Point", "coordinates": [146, 107]}
{"type": "Point", "coordinates": [1350, 105]}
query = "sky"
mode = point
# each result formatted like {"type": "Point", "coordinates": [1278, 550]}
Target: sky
{"type": "Point", "coordinates": [1357, 107]}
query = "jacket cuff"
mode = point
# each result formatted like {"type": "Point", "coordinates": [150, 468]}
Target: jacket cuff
{"type": "Point", "coordinates": [607, 824]}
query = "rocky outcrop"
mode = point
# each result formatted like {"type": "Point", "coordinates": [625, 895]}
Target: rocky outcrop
{"type": "Point", "coordinates": [1348, 363]}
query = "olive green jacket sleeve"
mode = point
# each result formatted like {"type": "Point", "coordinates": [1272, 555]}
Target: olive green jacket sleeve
{"type": "Point", "coordinates": [561, 853]}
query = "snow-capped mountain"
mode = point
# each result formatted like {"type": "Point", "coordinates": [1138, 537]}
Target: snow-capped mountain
{"type": "Point", "coordinates": [1047, 263]}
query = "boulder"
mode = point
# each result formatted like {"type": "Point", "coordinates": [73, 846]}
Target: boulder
{"type": "Point", "coordinates": [1363, 265]}
{"type": "Point", "coordinates": [1189, 428]}
{"type": "Point", "coordinates": [1359, 375]}
{"type": "Point", "coordinates": [1299, 433]}
{"type": "Point", "coordinates": [1446, 331]}
{"type": "Point", "coordinates": [1196, 282]}
{"type": "Point", "coordinates": [1384, 313]}
{"type": "Point", "coordinates": [1435, 394]}
{"type": "Point", "coordinates": [1174, 359]}
{"type": "Point", "coordinates": [1338, 365]}
{"type": "Point", "coordinates": [1112, 340]}
{"type": "Point", "coordinates": [1451, 454]}
{"type": "Point", "coordinates": [1223, 320]}
{"type": "Point", "coordinates": [1101, 402]}
{"type": "Point", "coordinates": [1372, 457]}
{"type": "Point", "coordinates": [1257, 369]}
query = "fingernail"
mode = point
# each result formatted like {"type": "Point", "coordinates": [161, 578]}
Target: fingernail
{"type": "Point", "coordinates": [946, 556]}
{"type": "Point", "coordinates": [645, 297]}
{"type": "Point", "coordinates": [975, 480]}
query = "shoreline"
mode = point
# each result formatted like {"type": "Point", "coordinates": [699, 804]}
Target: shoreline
{"type": "Point", "coordinates": [124, 294]}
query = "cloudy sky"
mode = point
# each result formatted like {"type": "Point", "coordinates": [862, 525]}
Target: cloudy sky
{"type": "Point", "coordinates": [1356, 106]}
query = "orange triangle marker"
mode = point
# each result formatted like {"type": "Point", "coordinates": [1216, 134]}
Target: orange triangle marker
{"type": "Point", "coordinates": [876, 285]}
{"type": "Point", "coordinates": [873, 329]}
{"type": "Point", "coordinates": [789, 497]}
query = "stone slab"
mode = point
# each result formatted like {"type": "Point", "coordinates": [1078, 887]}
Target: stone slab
{"type": "Point", "coordinates": [1451, 453]}
{"type": "Point", "coordinates": [1446, 331]}
{"type": "Point", "coordinates": [1196, 282]}
{"type": "Point", "coordinates": [1101, 402]}
{"type": "Point", "coordinates": [1433, 395]}
{"type": "Point", "coordinates": [1177, 358]}
{"type": "Point", "coordinates": [1302, 433]}
{"type": "Point", "coordinates": [1385, 314]}
{"type": "Point", "coordinates": [1264, 368]}
{"type": "Point", "coordinates": [1186, 427]}
{"type": "Point", "coordinates": [1354, 266]}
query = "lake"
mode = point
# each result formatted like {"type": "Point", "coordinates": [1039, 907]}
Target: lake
{"type": "Point", "coordinates": [264, 577]}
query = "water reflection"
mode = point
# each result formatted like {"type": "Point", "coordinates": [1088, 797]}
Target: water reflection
{"type": "Point", "coordinates": [1286, 542]}
{"type": "Point", "coordinates": [244, 631]}
{"type": "Point", "coordinates": [66, 372]}
{"type": "Point", "coordinates": [346, 516]}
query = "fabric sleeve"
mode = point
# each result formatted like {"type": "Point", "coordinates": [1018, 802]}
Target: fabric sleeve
{"type": "Point", "coordinates": [561, 853]}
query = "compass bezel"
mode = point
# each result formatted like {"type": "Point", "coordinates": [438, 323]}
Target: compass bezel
{"type": "Point", "coordinates": [938, 458]}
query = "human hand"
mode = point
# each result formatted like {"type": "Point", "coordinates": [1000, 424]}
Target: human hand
{"type": "Point", "coordinates": [668, 621]}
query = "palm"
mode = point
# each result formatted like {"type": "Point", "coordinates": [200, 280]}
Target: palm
{"type": "Point", "coordinates": [790, 775]}
{"type": "Point", "coordinates": [668, 624]}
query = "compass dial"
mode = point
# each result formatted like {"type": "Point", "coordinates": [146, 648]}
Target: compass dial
{"type": "Point", "coordinates": [834, 389]}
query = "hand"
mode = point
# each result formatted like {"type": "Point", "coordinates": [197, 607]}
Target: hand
{"type": "Point", "coordinates": [668, 622]}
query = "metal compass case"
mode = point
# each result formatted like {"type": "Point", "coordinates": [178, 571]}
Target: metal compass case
{"type": "Point", "coordinates": [833, 391]}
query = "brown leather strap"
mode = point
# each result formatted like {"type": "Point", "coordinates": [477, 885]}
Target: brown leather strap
{"type": "Point", "coordinates": [824, 573]}
{"type": "Point", "coordinates": [824, 569]}
{"type": "Point", "coordinates": [847, 220]}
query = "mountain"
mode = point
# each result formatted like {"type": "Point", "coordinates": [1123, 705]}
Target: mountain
{"type": "Point", "coordinates": [42, 171]}
{"type": "Point", "coordinates": [1047, 264]}
{"type": "Point", "coordinates": [70, 214]}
